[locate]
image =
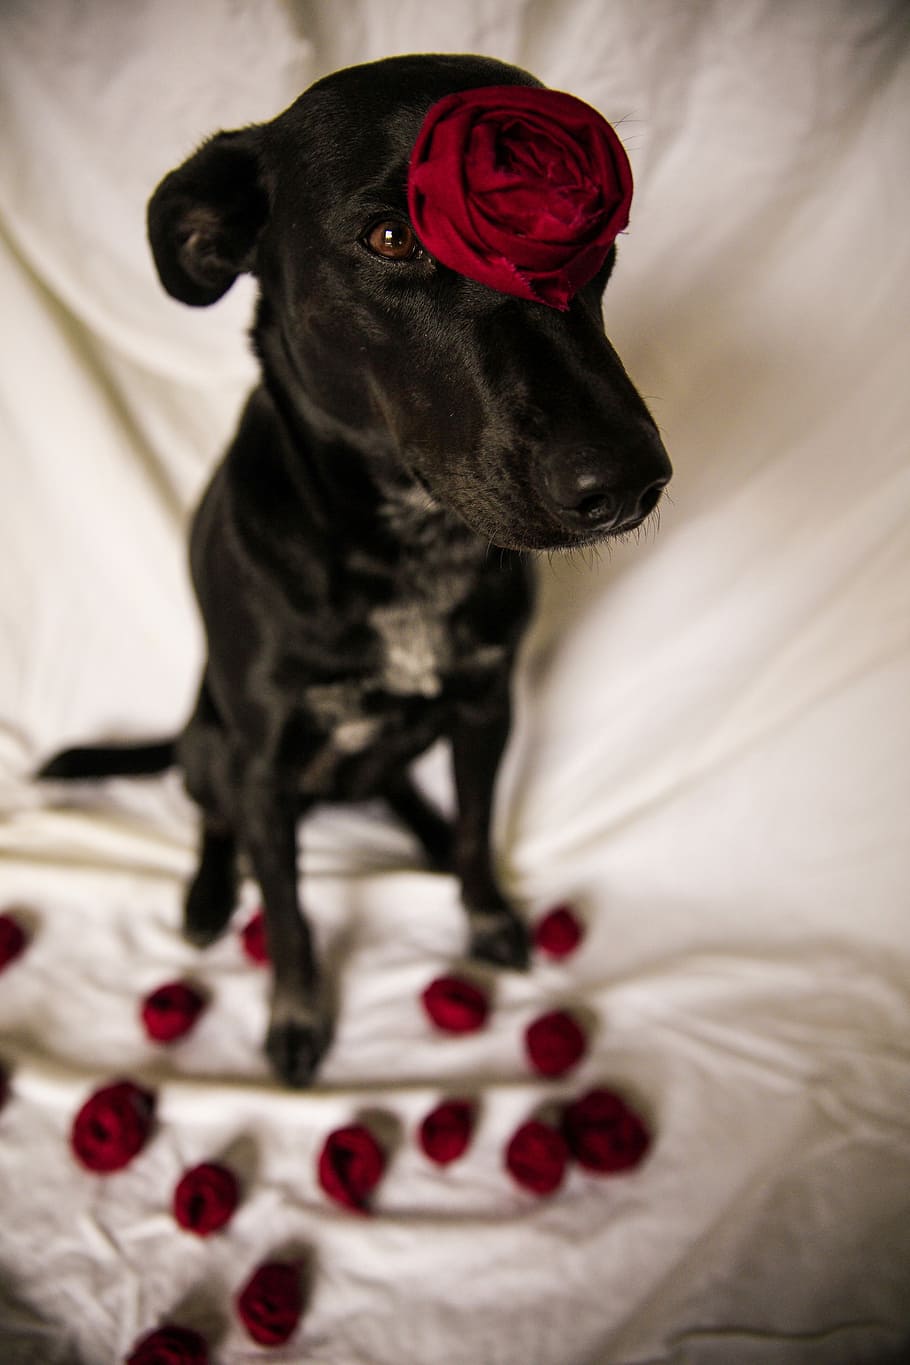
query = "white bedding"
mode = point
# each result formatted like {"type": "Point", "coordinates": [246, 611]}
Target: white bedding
{"type": "Point", "coordinates": [710, 759]}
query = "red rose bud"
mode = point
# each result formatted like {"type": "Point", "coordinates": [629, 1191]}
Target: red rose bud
{"type": "Point", "coordinates": [271, 1302]}
{"type": "Point", "coordinates": [603, 1133]}
{"type": "Point", "coordinates": [205, 1198]}
{"type": "Point", "coordinates": [112, 1126]}
{"type": "Point", "coordinates": [558, 932]}
{"type": "Point", "coordinates": [13, 940]}
{"type": "Point", "coordinates": [253, 937]}
{"type": "Point", "coordinates": [169, 1012]}
{"type": "Point", "coordinates": [519, 188]}
{"type": "Point", "coordinates": [554, 1043]}
{"type": "Point", "coordinates": [170, 1346]}
{"type": "Point", "coordinates": [536, 1157]}
{"type": "Point", "coordinates": [454, 1005]}
{"type": "Point", "coordinates": [445, 1133]}
{"type": "Point", "coordinates": [350, 1166]}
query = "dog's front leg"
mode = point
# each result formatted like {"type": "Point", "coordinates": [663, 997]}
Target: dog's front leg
{"type": "Point", "coordinates": [299, 1028]}
{"type": "Point", "coordinates": [432, 830]}
{"type": "Point", "coordinates": [497, 934]}
{"type": "Point", "coordinates": [211, 895]}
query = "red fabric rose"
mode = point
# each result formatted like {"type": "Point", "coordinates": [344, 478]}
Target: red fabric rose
{"type": "Point", "coordinates": [271, 1302]}
{"type": "Point", "coordinates": [558, 932]}
{"type": "Point", "coordinates": [536, 1157]}
{"type": "Point", "coordinates": [350, 1166]}
{"type": "Point", "coordinates": [169, 1012]}
{"type": "Point", "coordinates": [205, 1198]}
{"type": "Point", "coordinates": [520, 188]}
{"type": "Point", "coordinates": [112, 1126]}
{"type": "Point", "coordinates": [445, 1133]}
{"type": "Point", "coordinates": [12, 940]}
{"type": "Point", "coordinates": [603, 1133]}
{"type": "Point", "coordinates": [455, 1005]}
{"type": "Point", "coordinates": [554, 1043]}
{"type": "Point", "coordinates": [170, 1346]}
{"type": "Point", "coordinates": [253, 936]}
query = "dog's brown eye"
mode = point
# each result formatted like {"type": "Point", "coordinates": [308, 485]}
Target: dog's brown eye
{"type": "Point", "coordinates": [394, 240]}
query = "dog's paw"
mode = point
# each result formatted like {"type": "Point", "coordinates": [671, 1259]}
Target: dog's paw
{"type": "Point", "coordinates": [206, 915]}
{"type": "Point", "coordinates": [295, 1045]}
{"type": "Point", "coordinates": [500, 938]}
{"type": "Point", "coordinates": [208, 906]}
{"type": "Point", "coordinates": [200, 934]}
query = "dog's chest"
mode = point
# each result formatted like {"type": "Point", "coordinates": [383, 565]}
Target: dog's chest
{"type": "Point", "coordinates": [415, 636]}
{"type": "Point", "coordinates": [421, 643]}
{"type": "Point", "coordinates": [414, 625]}
{"type": "Point", "coordinates": [412, 652]}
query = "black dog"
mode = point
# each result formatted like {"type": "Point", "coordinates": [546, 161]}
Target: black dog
{"type": "Point", "coordinates": [408, 419]}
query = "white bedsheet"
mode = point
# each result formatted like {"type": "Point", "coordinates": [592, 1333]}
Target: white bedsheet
{"type": "Point", "coordinates": [710, 759]}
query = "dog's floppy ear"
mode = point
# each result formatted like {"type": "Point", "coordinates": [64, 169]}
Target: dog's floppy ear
{"type": "Point", "coordinates": [205, 218]}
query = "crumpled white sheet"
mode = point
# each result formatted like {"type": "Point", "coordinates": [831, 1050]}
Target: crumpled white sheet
{"type": "Point", "coordinates": [710, 758]}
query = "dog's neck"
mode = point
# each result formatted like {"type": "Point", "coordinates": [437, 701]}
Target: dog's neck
{"type": "Point", "coordinates": [348, 477]}
{"type": "Point", "coordinates": [341, 493]}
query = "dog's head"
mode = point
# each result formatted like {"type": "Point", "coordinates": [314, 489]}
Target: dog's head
{"type": "Point", "coordinates": [517, 416]}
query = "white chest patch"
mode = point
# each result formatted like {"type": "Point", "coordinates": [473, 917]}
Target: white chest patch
{"type": "Point", "coordinates": [353, 735]}
{"type": "Point", "coordinates": [337, 707]}
{"type": "Point", "coordinates": [414, 648]}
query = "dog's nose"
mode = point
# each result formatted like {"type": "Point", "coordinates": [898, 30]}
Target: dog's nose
{"type": "Point", "coordinates": [591, 490]}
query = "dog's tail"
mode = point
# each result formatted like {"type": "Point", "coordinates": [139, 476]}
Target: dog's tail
{"type": "Point", "coordinates": [110, 760]}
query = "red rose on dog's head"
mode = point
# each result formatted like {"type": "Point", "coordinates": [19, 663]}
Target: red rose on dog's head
{"type": "Point", "coordinates": [520, 188]}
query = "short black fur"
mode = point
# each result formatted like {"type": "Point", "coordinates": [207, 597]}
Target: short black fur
{"type": "Point", "coordinates": [408, 419]}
